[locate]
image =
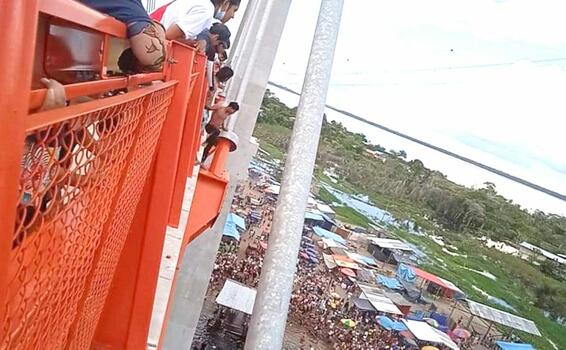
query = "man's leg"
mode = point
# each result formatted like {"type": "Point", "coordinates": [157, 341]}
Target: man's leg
{"type": "Point", "coordinates": [210, 141]}
{"type": "Point", "coordinates": [148, 48]}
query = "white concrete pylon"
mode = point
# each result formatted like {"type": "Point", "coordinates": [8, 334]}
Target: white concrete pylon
{"type": "Point", "coordinates": [267, 326]}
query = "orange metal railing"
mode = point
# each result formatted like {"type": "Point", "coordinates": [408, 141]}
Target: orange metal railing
{"type": "Point", "coordinates": [88, 189]}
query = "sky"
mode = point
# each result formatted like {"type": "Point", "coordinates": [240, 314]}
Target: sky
{"type": "Point", "coordinates": [484, 78]}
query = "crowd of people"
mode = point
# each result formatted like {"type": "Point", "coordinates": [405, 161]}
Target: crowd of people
{"type": "Point", "coordinates": [320, 301]}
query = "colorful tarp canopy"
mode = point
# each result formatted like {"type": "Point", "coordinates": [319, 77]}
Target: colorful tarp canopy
{"type": "Point", "coordinates": [446, 340]}
{"type": "Point", "coordinates": [406, 273]}
{"type": "Point", "coordinates": [502, 317]}
{"type": "Point", "coordinates": [238, 221]}
{"type": "Point", "coordinates": [328, 243]}
{"type": "Point", "coordinates": [237, 296]}
{"type": "Point", "coordinates": [379, 301]}
{"type": "Point", "coordinates": [389, 282]}
{"type": "Point", "coordinates": [273, 189]}
{"type": "Point", "coordinates": [390, 324]}
{"type": "Point", "coordinates": [230, 230]}
{"type": "Point", "coordinates": [328, 261]}
{"type": "Point", "coordinates": [325, 209]}
{"type": "Point", "coordinates": [388, 243]}
{"type": "Point", "coordinates": [319, 231]}
{"type": "Point", "coordinates": [424, 332]}
{"type": "Point", "coordinates": [344, 261]}
{"type": "Point", "coordinates": [365, 260]}
{"type": "Point", "coordinates": [348, 272]}
{"type": "Point", "coordinates": [514, 346]}
{"type": "Point", "coordinates": [366, 275]}
{"type": "Point", "coordinates": [313, 216]}
{"type": "Point", "coordinates": [429, 277]}
{"type": "Point", "coordinates": [363, 304]}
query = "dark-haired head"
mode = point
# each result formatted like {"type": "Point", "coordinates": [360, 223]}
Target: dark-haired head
{"type": "Point", "coordinates": [224, 74]}
{"type": "Point", "coordinates": [234, 106]}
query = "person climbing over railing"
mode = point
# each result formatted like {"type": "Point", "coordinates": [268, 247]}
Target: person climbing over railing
{"type": "Point", "coordinates": [184, 20]}
{"type": "Point", "coordinates": [220, 113]}
{"type": "Point", "coordinates": [216, 81]}
{"type": "Point", "coordinates": [147, 37]}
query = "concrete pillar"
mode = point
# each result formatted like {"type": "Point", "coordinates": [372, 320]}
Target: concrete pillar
{"type": "Point", "coordinates": [200, 254]}
{"type": "Point", "coordinates": [267, 325]}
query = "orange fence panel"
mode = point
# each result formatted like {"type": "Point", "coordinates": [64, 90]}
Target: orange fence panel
{"type": "Point", "coordinates": [80, 183]}
{"type": "Point", "coordinates": [74, 172]}
{"type": "Point", "coordinates": [123, 212]}
{"type": "Point", "coordinates": [20, 17]}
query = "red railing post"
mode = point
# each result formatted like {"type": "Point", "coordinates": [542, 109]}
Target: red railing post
{"type": "Point", "coordinates": [220, 156]}
{"type": "Point", "coordinates": [18, 42]}
{"type": "Point", "coordinates": [131, 299]}
{"type": "Point", "coordinates": [191, 139]}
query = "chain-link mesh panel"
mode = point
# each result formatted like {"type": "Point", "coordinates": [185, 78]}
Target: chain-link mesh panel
{"type": "Point", "coordinates": [121, 219]}
{"type": "Point", "coordinates": [72, 172]}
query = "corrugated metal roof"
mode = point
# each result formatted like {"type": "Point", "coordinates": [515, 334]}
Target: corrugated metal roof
{"type": "Point", "coordinates": [502, 317]}
{"type": "Point", "coordinates": [237, 296]}
{"type": "Point", "coordinates": [390, 244]}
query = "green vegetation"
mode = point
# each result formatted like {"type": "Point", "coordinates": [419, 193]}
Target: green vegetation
{"type": "Point", "coordinates": [273, 151]}
{"type": "Point", "coordinates": [326, 196]}
{"type": "Point", "coordinates": [351, 216]}
{"type": "Point", "coordinates": [459, 214]}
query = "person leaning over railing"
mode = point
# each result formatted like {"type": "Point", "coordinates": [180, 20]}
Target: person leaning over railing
{"type": "Point", "coordinates": [217, 41]}
{"type": "Point", "coordinates": [147, 37]}
{"type": "Point", "coordinates": [184, 20]}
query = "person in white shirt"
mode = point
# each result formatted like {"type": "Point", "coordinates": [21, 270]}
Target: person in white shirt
{"type": "Point", "coordinates": [184, 20]}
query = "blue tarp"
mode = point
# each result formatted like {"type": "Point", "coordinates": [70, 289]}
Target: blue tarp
{"type": "Point", "coordinates": [328, 219]}
{"type": "Point", "coordinates": [514, 346]}
{"type": "Point", "coordinates": [406, 273]}
{"type": "Point", "coordinates": [440, 318]}
{"type": "Point", "coordinates": [389, 324]}
{"type": "Point", "coordinates": [319, 231]}
{"type": "Point", "coordinates": [313, 216]}
{"type": "Point", "coordinates": [230, 230]}
{"type": "Point", "coordinates": [237, 220]}
{"type": "Point", "coordinates": [369, 261]}
{"type": "Point", "coordinates": [389, 282]}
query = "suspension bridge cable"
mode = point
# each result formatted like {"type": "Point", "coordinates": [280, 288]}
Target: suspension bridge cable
{"type": "Point", "coordinates": [436, 148]}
